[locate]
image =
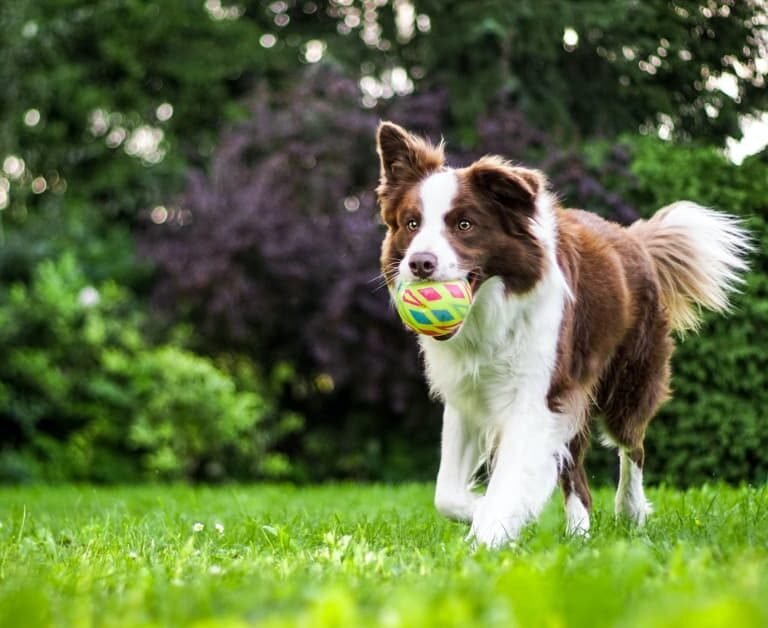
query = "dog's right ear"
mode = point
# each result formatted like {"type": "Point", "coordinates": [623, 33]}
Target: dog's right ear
{"type": "Point", "coordinates": [405, 158]}
{"type": "Point", "coordinates": [506, 186]}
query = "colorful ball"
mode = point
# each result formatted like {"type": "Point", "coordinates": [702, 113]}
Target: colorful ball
{"type": "Point", "coordinates": [433, 308]}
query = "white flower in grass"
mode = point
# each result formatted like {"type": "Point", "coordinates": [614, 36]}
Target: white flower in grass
{"type": "Point", "coordinates": [215, 570]}
{"type": "Point", "coordinates": [219, 527]}
{"type": "Point", "coordinates": [133, 555]}
{"type": "Point", "coordinates": [198, 527]}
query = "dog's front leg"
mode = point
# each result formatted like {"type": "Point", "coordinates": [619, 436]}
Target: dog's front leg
{"type": "Point", "coordinates": [459, 457]}
{"type": "Point", "coordinates": [524, 475]}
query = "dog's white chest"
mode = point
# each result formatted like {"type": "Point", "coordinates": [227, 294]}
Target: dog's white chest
{"type": "Point", "coordinates": [503, 354]}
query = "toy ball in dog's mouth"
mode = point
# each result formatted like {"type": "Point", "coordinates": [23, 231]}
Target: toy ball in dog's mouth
{"type": "Point", "coordinates": [434, 308]}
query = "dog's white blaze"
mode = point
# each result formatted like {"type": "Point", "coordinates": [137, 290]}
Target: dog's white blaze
{"type": "Point", "coordinates": [630, 496]}
{"type": "Point", "coordinates": [577, 516]}
{"type": "Point", "coordinates": [436, 194]}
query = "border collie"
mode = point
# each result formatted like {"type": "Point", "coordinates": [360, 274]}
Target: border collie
{"type": "Point", "coordinates": [572, 315]}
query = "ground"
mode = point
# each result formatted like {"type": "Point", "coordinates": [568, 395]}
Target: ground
{"type": "Point", "coordinates": [347, 555]}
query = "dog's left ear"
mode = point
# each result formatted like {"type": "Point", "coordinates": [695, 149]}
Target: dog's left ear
{"type": "Point", "coordinates": [506, 186]}
{"type": "Point", "coordinates": [405, 158]}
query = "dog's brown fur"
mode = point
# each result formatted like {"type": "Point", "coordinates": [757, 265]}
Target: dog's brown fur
{"type": "Point", "coordinates": [615, 345]}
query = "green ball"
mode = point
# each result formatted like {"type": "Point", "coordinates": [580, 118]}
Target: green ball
{"type": "Point", "coordinates": [433, 308]}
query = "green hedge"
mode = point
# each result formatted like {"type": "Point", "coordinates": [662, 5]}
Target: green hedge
{"type": "Point", "coordinates": [84, 394]}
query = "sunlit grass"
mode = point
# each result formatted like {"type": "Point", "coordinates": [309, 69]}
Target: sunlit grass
{"type": "Point", "coordinates": [369, 555]}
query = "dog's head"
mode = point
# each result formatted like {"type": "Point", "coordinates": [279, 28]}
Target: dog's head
{"type": "Point", "coordinates": [443, 223]}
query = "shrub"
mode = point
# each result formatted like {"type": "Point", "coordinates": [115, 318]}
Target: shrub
{"type": "Point", "coordinates": [84, 395]}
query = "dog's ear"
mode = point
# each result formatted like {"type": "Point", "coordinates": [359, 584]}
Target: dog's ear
{"type": "Point", "coordinates": [405, 158]}
{"type": "Point", "coordinates": [506, 186]}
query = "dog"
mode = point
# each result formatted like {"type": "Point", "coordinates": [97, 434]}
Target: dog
{"type": "Point", "coordinates": [572, 315]}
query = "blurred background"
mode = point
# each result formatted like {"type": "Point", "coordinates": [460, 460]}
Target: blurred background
{"type": "Point", "coordinates": [189, 236]}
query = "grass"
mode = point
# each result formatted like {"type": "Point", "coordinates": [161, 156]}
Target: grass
{"type": "Point", "coordinates": [350, 555]}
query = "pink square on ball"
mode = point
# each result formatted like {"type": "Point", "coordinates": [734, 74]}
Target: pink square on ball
{"type": "Point", "coordinates": [430, 294]}
{"type": "Point", "coordinates": [455, 290]}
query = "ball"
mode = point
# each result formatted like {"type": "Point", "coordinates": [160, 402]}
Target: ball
{"type": "Point", "coordinates": [433, 308]}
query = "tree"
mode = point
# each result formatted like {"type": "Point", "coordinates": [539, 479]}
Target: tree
{"type": "Point", "coordinates": [590, 68]}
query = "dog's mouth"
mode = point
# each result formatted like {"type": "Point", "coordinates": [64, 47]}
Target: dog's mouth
{"type": "Point", "coordinates": [474, 278]}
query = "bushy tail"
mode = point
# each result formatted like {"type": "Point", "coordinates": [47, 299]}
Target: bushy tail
{"type": "Point", "coordinates": [699, 256]}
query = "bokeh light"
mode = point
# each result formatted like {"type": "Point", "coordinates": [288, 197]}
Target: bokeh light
{"type": "Point", "coordinates": [14, 166]}
{"type": "Point", "coordinates": [164, 112]}
{"type": "Point", "coordinates": [32, 117]}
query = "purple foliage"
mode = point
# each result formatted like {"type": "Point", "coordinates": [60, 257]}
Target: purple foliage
{"type": "Point", "coordinates": [274, 252]}
{"type": "Point", "coordinates": [276, 249]}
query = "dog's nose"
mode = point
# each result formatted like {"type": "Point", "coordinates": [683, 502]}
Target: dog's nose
{"type": "Point", "coordinates": [423, 264]}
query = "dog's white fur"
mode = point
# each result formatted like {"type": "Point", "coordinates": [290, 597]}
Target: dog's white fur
{"type": "Point", "coordinates": [436, 193]}
{"type": "Point", "coordinates": [576, 516]}
{"type": "Point", "coordinates": [493, 378]}
{"type": "Point", "coordinates": [630, 496]}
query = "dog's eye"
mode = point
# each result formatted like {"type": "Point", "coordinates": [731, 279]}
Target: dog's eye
{"type": "Point", "coordinates": [464, 225]}
{"type": "Point", "coordinates": [412, 224]}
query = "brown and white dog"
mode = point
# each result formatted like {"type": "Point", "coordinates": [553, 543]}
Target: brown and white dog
{"type": "Point", "coordinates": [572, 314]}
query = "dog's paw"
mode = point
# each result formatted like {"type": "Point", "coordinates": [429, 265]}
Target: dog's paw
{"type": "Point", "coordinates": [492, 527]}
{"type": "Point", "coordinates": [576, 517]}
{"type": "Point", "coordinates": [636, 511]}
{"type": "Point", "coordinates": [457, 506]}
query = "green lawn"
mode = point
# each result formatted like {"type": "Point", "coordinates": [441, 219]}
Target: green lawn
{"type": "Point", "coordinates": [369, 555]}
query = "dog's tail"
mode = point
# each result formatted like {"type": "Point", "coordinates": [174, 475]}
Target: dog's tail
{"type": "Point", "coordinates": [699, 256]}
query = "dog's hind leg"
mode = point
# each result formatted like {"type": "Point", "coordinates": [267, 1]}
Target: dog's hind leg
{"type": "Point", "coordinates": [575, 487]}
{"type": "Point", "coordinates": [630, 498]}
{"type": "Point", "coordinates": [629, 399]}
